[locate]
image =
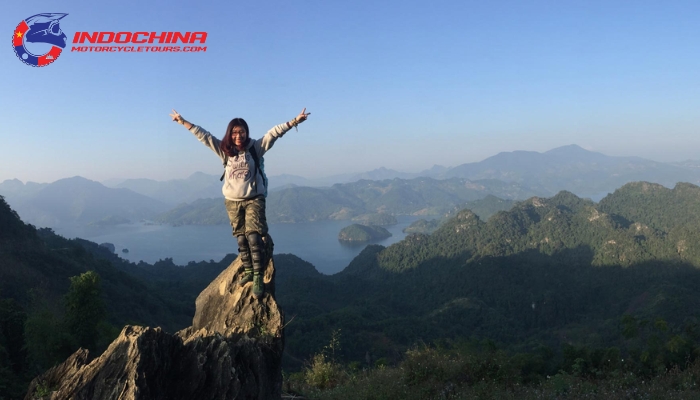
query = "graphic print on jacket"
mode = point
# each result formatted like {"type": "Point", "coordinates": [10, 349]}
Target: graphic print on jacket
{"type": "Point", "coordinates": [239, 168]}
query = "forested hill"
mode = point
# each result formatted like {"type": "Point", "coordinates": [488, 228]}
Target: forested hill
{"type": "Point", "coordinates": [656, 206]}
{"type": "Point", "coordinates": [57, 295]}
{"type": "Point", "coordinates": [638, 222]}
{"type": "Point", "coordinates": [549, 271]}
{"type": "Point", "coordinates": [35, 267]}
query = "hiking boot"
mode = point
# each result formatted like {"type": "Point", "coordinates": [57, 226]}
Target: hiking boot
{"type": "Point", "coordinates": [258, 286]}
{"type": "Point", "coordinates": [244, 255]}
{"type": "Point", "coordinates": [247, 276]}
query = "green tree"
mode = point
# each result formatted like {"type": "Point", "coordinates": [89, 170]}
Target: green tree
{"type": "Point", "coordinates": [85, 310]}
{"type": "Point", "coordinates": [45, 340]}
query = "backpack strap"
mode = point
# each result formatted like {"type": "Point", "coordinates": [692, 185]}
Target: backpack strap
{"type": "Point", "coordinates": [256, 160]}
{"type": "Point", "coordinates": [254, 154]}
{"type": "Point", "coordinates": [225, 162]}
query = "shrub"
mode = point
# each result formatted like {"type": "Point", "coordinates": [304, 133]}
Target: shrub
{"type": "Point", "coordinates": [324, 373]}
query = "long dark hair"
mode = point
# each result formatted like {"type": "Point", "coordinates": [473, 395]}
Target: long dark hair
{"type": "Point", "coordinates": [227, 145]}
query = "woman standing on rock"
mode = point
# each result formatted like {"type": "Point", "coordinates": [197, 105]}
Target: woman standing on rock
{"type": "Point", "coordinates": [245, 186]}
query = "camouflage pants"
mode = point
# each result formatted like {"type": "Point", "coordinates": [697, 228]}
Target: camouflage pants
{"type": "Point", "coordinates": [247, 216]}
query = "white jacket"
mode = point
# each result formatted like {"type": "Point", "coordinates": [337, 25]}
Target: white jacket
{"type": "Point", "coordinates": [240, 169]}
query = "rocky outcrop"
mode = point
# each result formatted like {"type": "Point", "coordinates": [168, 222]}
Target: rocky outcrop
{"type": "Point", "coordinates": [233, 350]}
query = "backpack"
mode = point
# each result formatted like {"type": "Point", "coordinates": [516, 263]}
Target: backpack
{"type": "Point", "coordinates": [259, 168]}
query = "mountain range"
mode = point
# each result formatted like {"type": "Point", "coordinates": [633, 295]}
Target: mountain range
{"type": "Point", "coordinates": [580, 171]}
{"type": "Point", "coordinates": [292, 199]}
{"type": "Point", "coordinates": [575, 169]}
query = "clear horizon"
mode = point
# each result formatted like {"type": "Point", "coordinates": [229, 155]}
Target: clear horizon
{"type": "Point", "coordinates": [400, 85]}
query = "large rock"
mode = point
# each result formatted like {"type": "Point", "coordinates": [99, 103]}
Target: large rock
{"type": "Point", "coordinates": [233, 350]}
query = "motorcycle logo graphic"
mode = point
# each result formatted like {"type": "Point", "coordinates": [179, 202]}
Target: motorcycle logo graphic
{"type": "Point", "coordinates": [41, 30]}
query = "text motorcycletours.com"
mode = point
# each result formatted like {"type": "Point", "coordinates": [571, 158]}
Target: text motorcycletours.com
{"type": "Point", "coordinates": [128, 49]}
{"type": "Point", "coordinates": [105, 42]}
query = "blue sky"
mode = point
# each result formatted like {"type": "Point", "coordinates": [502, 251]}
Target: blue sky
{"type": "Point", "coordinates": [399, 84]}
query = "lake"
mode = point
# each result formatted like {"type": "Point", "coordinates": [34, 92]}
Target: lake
{"type": "Point", "coordinates": [316, 242]}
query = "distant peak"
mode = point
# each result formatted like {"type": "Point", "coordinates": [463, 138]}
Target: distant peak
{"type": "Point", "coordinates": [568, 149]}
{"type": "Point", "coordinates": [199, 174]}
{"type": "Point", "coordinates": [76, 178]}
{"type": "Point", "coordinates": [381, 169]}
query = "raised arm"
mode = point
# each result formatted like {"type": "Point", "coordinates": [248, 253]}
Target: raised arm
{"type": "Point", "coordinates": [200, 133]}
{"type": "Point", "coordinates": [178, 118]}
{"type": "Point", "coordinates": [303, 115]}
{"type": "Point", "coordinates": [265, 143]}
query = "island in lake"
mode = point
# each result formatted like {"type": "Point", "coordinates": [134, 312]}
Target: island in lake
{"type": "Point", "coordinates": [363, 233]}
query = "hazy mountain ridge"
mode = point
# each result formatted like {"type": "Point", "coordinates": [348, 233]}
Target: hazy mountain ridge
{"type": "Point", "coordinates": [550, 169]}
{"type": "Point", "coordinates": [574, 169]}
{"type": "Point", "coordinates": [295, 199]}
{"type": "Point", "coordinates": [200, 185]}
{"type": "Point", "coordinates": [81, 201]}
{"type": "Point", "coordinates": [197, 186]}
{"type": "Point", "coordinates": [377, 174]}
{"type": "Point", "coordinates": [690, 164]}
{"type": "Point", "coordinates": [419, 196]}
{"type": "Point", "coordinates": [15, 189]}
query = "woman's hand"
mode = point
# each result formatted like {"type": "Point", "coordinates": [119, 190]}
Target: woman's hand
{"type": "Point", "coordinates": [176, 117]}
{"type": "Point", "coordinates": [301, 117]}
